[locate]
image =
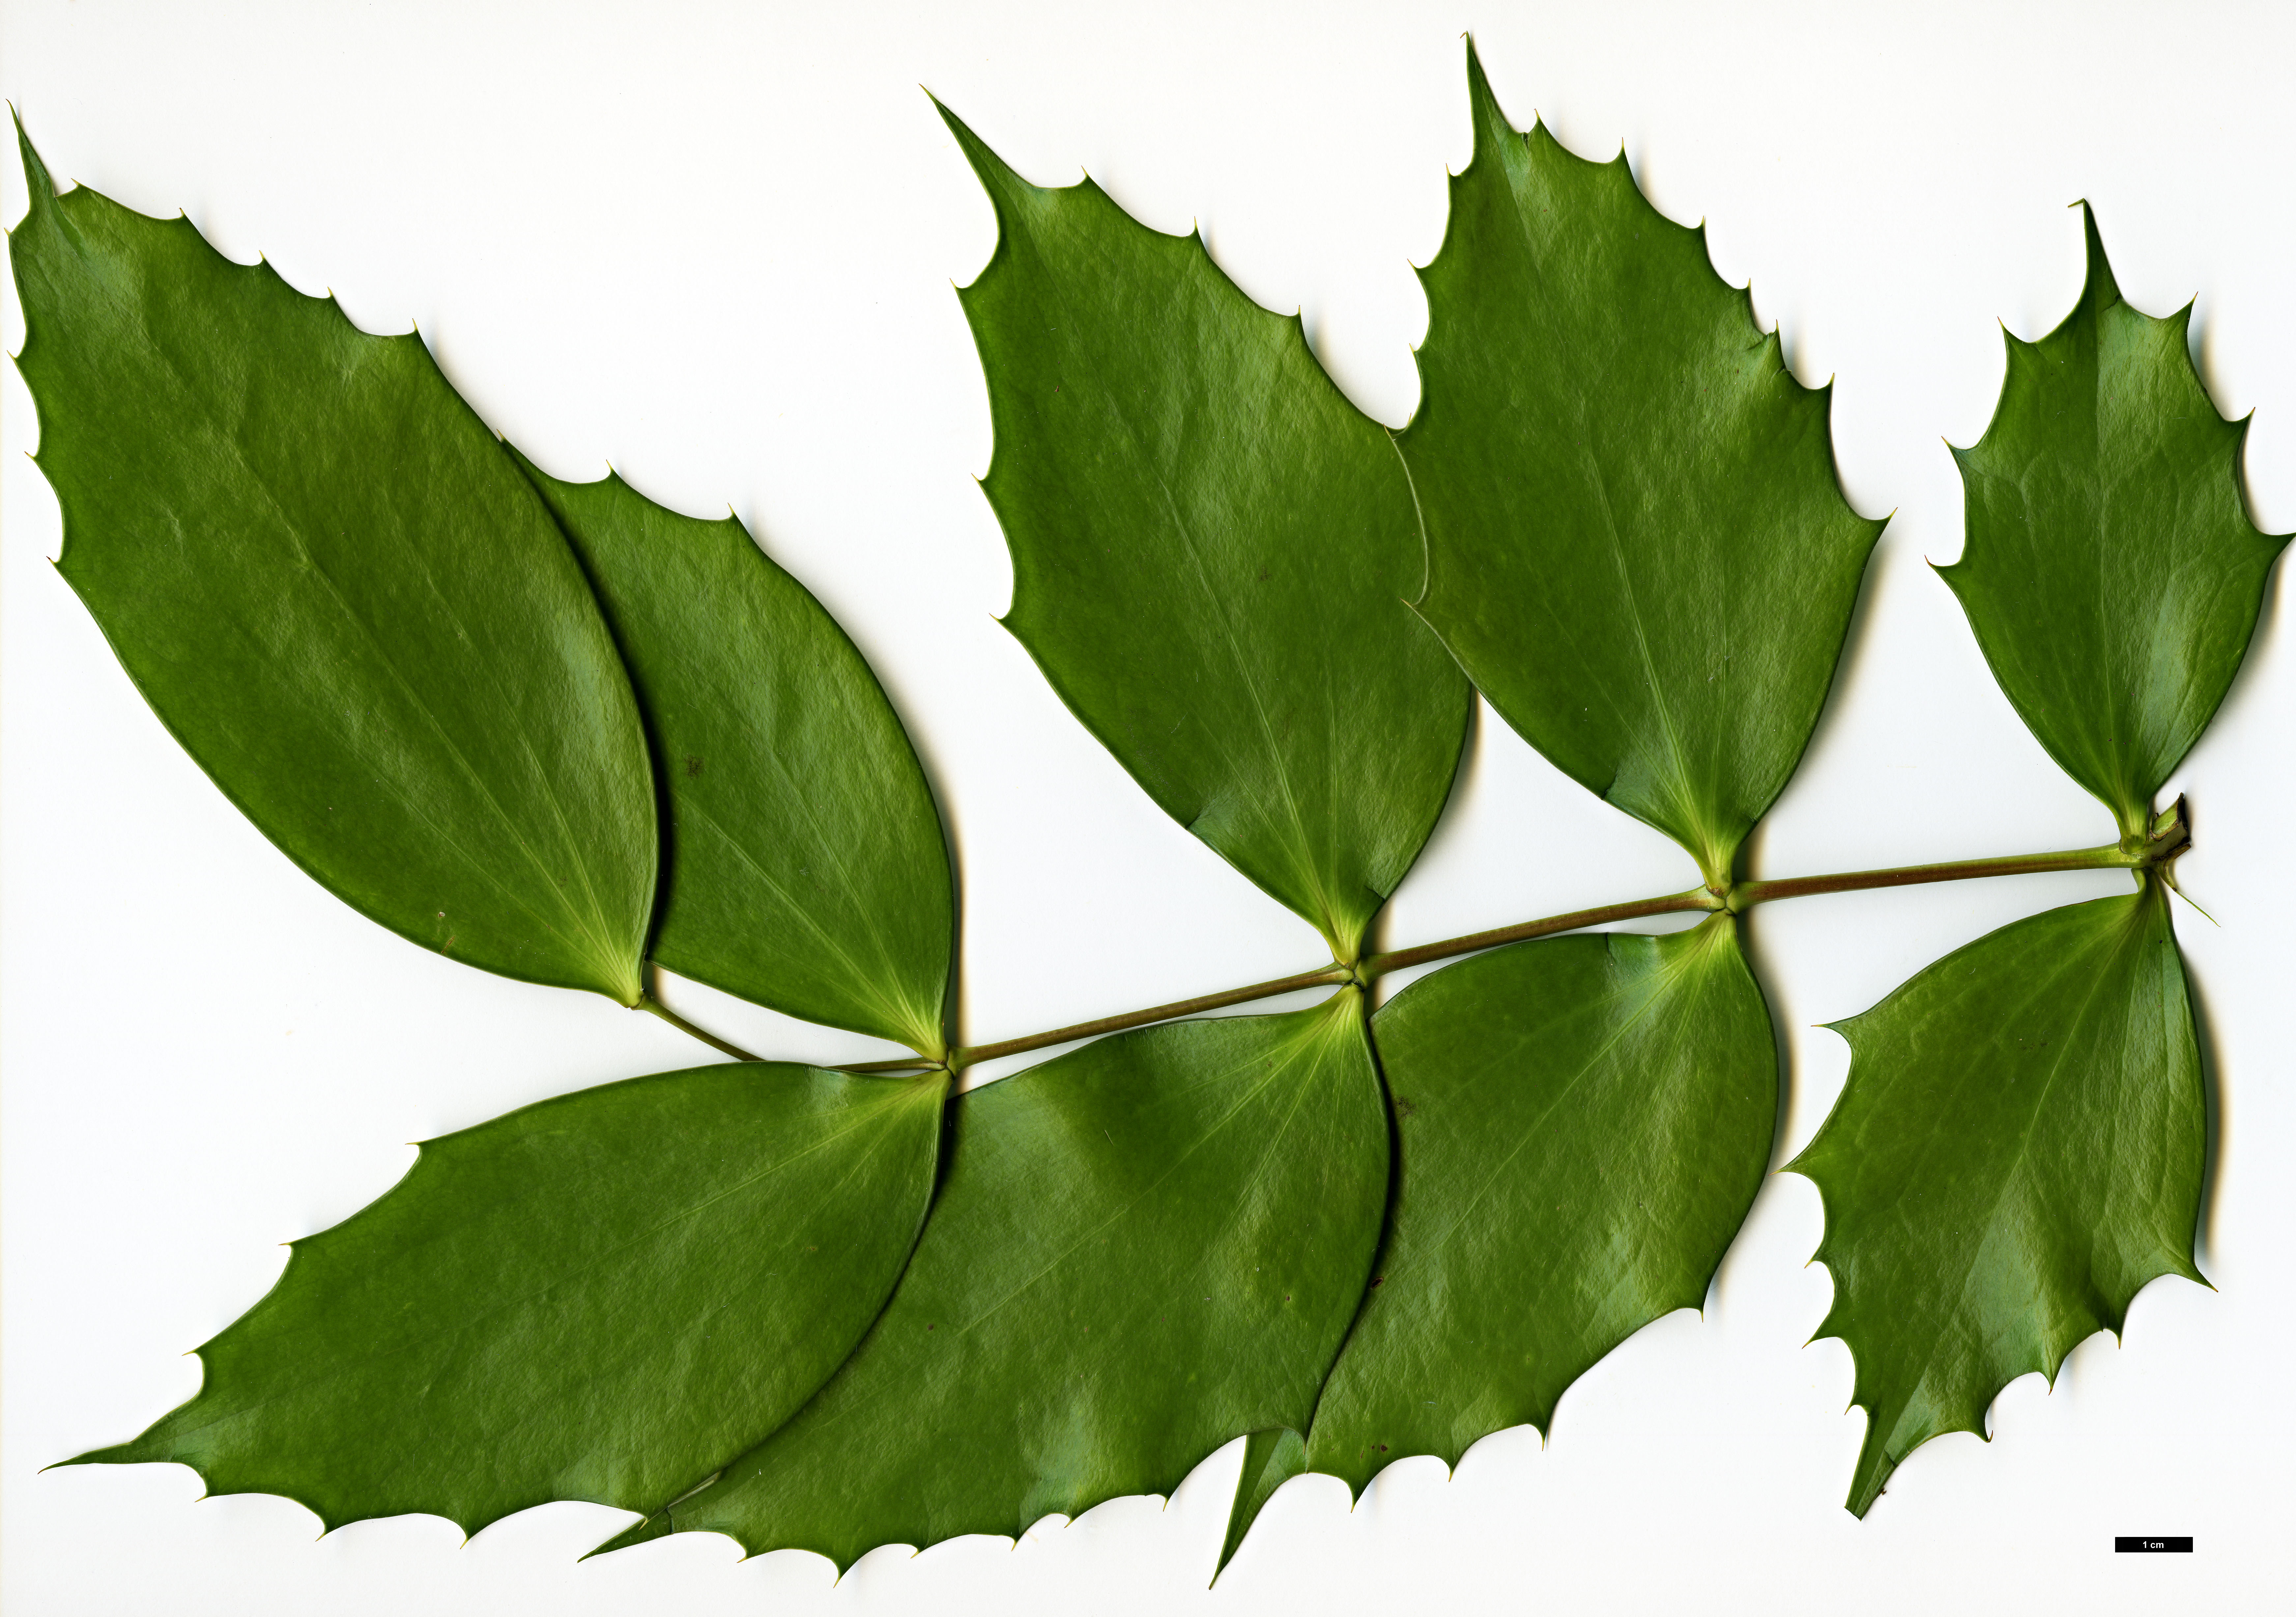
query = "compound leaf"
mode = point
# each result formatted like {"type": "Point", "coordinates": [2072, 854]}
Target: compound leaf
{"type": "Point", "coordinates": [2018, 1150]}
{"type": "Point", "coordinates": [1143, 1249]}
{"type": "Point", "coordinates": [596, 1298]}
{"type": "Point", "coordinates": [1211, 550]}
{"type": "Point", "coordinates": [803, 867]}
{"type": "Point", "coordinates": [1637, 546]}
{"type": "Point", "coordinates": [335, 589]}
{"type": "Point", "coordinates": [1581, 1124]}
{"type": "Point", "coordinates": [2110, 572]}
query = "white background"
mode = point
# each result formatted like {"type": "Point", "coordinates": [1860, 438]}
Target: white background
{"type": "Point", "coordinates": [717, 245]}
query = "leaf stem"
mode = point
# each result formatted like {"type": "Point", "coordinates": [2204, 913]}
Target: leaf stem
{"type": "Point", "coordinates": [2112, 856]}
{"type": "Point", "coordinates": [1396, 960]}
{"type": "Point", "coordinates": [1331, 975]}
{"type": "Point", "coordinates": [2171, 836]}
{"type": "Point", "coordinates": [647, 1002]}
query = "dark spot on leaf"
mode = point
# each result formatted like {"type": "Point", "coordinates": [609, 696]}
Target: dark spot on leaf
{"type": "Point", "coordinates": [692, 768]}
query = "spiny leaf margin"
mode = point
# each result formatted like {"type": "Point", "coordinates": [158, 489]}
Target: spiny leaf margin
{"type": "Point", "coordinates": [2110, 573]}
{"type": "Point", "coordinates": [1945, 1062]}
{"type": "Point", "coordinates": [592, 1297]}
{"type": "Point", "coordinates": [338, 594]}
{"type": "Point", "coordinates": [1211, 550]}
{"type": "Point", "coordinates": [1637, 545]}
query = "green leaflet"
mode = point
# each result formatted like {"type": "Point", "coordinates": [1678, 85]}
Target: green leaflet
{"type": "Point", "coordinates": [1582, 1123]}
{"type": "Point", "coordinates": [2018, 1150]}
{"type": "Point", "coordinates": [1270, 1459]}
{"type": "Point", "coordinates": [1142, 1250]}
{"type": "Point", "coordinates": [1212, 549]}
{"type": "Point", "coordinates": [2111, 572]}
{"type": "Point", "coordinates": [595, 1298]}
{"type": "Point", "coordinates": [338, 593]}
{"type": "Point", "coordinates": [1636, 546]}
{"type": "Point", "coordinates": [805, 866]}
